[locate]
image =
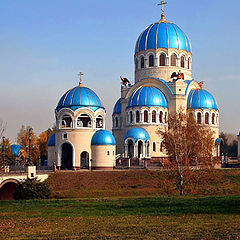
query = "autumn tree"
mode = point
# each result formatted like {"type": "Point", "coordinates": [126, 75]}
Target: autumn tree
{"type": "Point", "coordinates": [23, 140]}
{"type": "Point", "coordinates": [43, 142]}
{"type": "Point", "coordinates": [8, 155]}
{"type": "Point", "coordinates": [187, 144]}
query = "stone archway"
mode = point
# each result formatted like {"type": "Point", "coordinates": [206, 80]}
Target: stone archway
{"type": "Point", "coordinates": [67, 156]}
{"type": "Point", "coordinates": [7, 188]}
{"type": "Point", "coordinates": [84, 157]}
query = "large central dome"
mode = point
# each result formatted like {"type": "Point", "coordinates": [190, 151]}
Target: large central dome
{"type": "Point", "coordinates": [163, 35]}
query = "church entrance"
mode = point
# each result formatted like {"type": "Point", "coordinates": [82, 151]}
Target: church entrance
{"type": "Point", "coordinates": [67, 157]}
{"type": "Point", "coordinates": [130, 149]}
{"type": "Point", "coordinates": [140, 149]}
{"type": "Point", "coordinates": [84, 160]}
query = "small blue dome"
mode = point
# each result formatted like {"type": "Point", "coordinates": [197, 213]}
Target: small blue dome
{"type": "Point", "coordinates": [16, 149]}
{"type": "Point", "coordinates": [137, 134]}
{"type": "Point", "coordinates": [52, 140]}
{"type": "Point", "coordinates": [79, 97]}
{"type": "Point", "coordinates": [103, 137]}
{"type": "Point", "coordinates": [118, 107]}
{"type": "Point", "coordinates": [147, 97]}
{"type": "Point", "coordinates": [201, 99]}
{"type": "Point", "coordinates": [163, 35]}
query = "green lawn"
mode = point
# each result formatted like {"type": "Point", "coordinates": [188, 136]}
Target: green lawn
{"type": "Point", "coordinates": [127, 218]}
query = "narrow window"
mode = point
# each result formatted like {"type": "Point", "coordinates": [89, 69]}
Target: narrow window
{"type": "Point", "coordinates": [213, 118]}
{"type": "Point", "coordinates": [206, 118]}
{"type": "Point", "coordinates": [173, 59]}
{"type": "Point", "coordinates": [165, 117]}
{"type": "Point", "coordinates": [154, 147]}
{"type": "Point", "coordinates": [108, 153]}
{"type": "Point", "coordinates": [142, 62]}
{"type": "Point", "coordinates": [131, 117]}
{"type": "Point", "coordinates": [162, 59]}
{"type": "Point", "coordinates": [154, 116]}
{"type": "Point", "coordinates": [116, 122]}
{"type": "Point", "coordinates": [199, 118]}
{"type": "Point", "coordinates": [182, 61]}
{"type": "Point", "coordinates": [151, 61]}
{"type": "Point", "coordinates": [145, 116]}
{"type": "Point", "coordinates": [161, 147]}
{"type": "Point", "coordinates": [65, 136]}
{"type": "Point", "coordinates": [137, 117]}
{"type": "Point", "coordinates": [189, 61]}
{"type": "Point", "coordinates": [99, 122]}
{"type": "Point", "coordinates": [161, 117]}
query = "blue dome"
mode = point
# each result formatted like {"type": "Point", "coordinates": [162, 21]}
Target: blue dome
{"type": "Point", "coordinates": [118, 107]}
{"type": "Point", "coordinates": [16, 149]}
{"type": "Point", "coordinates": [147, 97]}
{"type": "Point", "coordinates": [52, 140]}
{"type": "Point", "coordinates": [79, 97]}
{"type": "Point", "coordinates": [103, 137]}
{"type": "Point", "coordinates": [163, 35]}
{"type": "Point", "coordinates": [201, 99]}
{"type": "Point", "coordinates": [137, 134]}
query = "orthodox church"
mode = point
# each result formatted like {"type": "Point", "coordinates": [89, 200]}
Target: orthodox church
{"type": "Point", "coordinates": [163, 85]}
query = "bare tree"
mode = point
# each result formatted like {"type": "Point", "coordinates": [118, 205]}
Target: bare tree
{"type": "Point", "coordinates": [187, 144]}
{"type": "Point", "coordinates": [2, 128]}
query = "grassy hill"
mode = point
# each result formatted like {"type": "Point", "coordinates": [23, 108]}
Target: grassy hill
{"type": "Point", "coordinates": [142, 183]}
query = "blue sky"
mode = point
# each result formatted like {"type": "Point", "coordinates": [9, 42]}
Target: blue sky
{"type": "Point", "coordinates": [44, 44]}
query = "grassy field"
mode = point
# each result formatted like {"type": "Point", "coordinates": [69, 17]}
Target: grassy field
{"type": "Point", "coordinates": [129, 205]}
{"type": "Point", "coordinates": [126, 218]}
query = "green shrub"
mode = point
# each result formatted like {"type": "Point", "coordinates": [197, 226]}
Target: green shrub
{"type": "Point", "coordinates": [31, 189]}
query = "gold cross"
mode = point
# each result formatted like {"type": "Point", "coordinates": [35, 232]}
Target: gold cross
{"type": "Point", "coordinates": [162, 4]}
{"type": "Point", "coordinates": [80, 75]}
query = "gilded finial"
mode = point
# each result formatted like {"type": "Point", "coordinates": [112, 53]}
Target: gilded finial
{"type": "Point", "coordinates": [163, 14]}
{"type": "Point", "coordinates": [80, 75]}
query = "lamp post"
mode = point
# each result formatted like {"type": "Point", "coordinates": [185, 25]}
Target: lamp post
{"type": "Point", "coordinates": [29, 146]}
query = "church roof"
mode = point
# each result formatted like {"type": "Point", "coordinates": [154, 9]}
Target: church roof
{"type": "Point", "coordinates": [201, 99]}
{"type": "Point", "coordinates": [137, 134]}
{"type": "Point", "coordinates": [103, 137]}
{"type": "Point", "coordinates": [163, 35]}
{"type": "Point", "coordinates": [79, 97]}
{"type": "Point", "coordinates": [118, 107]}
{"type": "Point", "coordinates": [147, 97]}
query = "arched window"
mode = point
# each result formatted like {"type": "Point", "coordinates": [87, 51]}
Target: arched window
{"type": "Point", "coordinates": [161, 117]}
{"type": "Point", "coordinates": [116, 122]}
{"type": "Point", "coordinates": [183, 61]}
{"type": "Point", "coordinates": [66, 122]}
{"type": "Point", "coordinates": [162, 59]}
{"type": "Point", "coordinates": [145, 116]}
{"type": "Point", "coordinates": [99, 122]}
{"type": "Point", "coordinates": [161, 147]}
{"type": "Point", "coordinates": [173, 59]}
{"type": "Point", "coordinates": [142, 62]}
{"type": "Point", "coordinates": [154, 116]}
{"type": "Point", "coordinates": [189, 62]}
{"type": "Point", "coordinates": [131, 117]}
{"type": "Point", "coordinates": [151, 61]}
{"type": "Point", "coordinates": [199, 118]}
{"type": "Point", "coordinates": [137, 117]}
{"type": "Point", "coordinates": [154, 147]}
{"type": "Point", "coordinates": [84, 121]}
{"type": "Point", "coordinates": [206, 118]}
{"type": "Point", "coordinates": [213, 118]}
{"type": "Point", "coordinates": [165, 117]}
